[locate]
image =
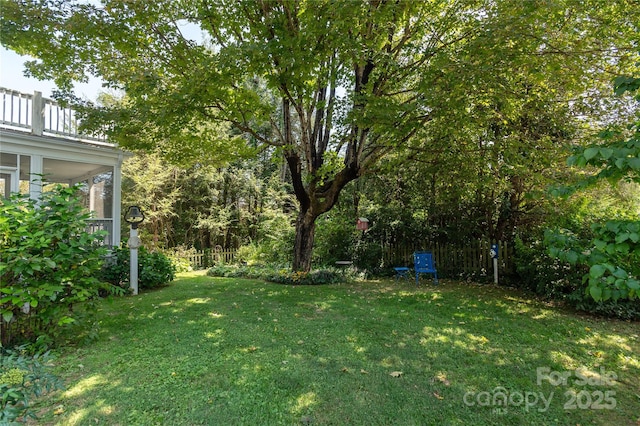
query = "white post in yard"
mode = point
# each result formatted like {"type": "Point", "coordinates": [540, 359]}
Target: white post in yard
{"type": "Point", "coordinates": [134, 244]}
{"type": "Point", "coordinates": [494, 253]}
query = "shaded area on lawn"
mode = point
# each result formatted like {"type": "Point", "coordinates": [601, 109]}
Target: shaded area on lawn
{"type": "Point", "coordinates": [233, 351]}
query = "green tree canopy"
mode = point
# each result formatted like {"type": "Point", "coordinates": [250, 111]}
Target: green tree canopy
{"type": "Point", "coordinates": [335, 85]}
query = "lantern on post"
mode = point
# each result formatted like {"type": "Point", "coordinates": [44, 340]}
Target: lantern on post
{"type": "Point", "coordinates": [133, 217]}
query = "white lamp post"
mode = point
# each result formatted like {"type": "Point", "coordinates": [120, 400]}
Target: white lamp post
{"type": "Point", "coordinates": [133, 217]}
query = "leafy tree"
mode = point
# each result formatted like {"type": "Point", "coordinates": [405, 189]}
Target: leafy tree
{"type": "Point", "coordinates": [205, 205]}
{"type": "Point", "coordinates": [616, 156]}
{"type": "Point", "coordinates": [150, 183]}
{"type": "Point", "coordinates": [334, 85]}
{"type": "Point", "coordinates": [613, 253]}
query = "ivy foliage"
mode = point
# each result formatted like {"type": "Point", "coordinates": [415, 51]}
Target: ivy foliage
{"type": "Point", "coordinates": [49, 263]}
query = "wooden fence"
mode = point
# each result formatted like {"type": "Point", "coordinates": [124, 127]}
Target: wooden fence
{"type": "Point", "coordinates": [206, 258]}
{"type": "Point", "coordinates": [470, 259]}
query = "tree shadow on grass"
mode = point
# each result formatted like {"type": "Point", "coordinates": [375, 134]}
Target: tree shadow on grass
{"type": "Point", "coordinates": [245, 352]}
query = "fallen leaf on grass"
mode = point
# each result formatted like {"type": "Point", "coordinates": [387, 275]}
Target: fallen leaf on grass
{"type": "Point", "coordinates": [395, 373]}
{"type": "Point", "coordinates": [437, 395]}
{"type": "Point", "coordinates": [58, 410]}
{"type": "Point", "coordinates": [442, 379]}
{"type": "Point", "coordinates": [363, 371]}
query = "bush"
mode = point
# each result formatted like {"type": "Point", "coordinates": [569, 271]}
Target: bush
{"type": "Point", "coordinates": [367, 254]}
{"type": "Point", "coordinates": [254, 253]}
{"type": "Point", "coordinates": [116, 268]}
{"type": "Point", "coordinates": [546, 276]}
{"type": "Point", "coordinates": [265, 252]}
{"type": "Point", "coordinates": [334, 239]}
{"type": "Point", "coordinates": [622, 308]}
{"type": "Point", "coordinates": [154, 268]}
{"type": "Point", "coordinates": [22, 378]}
{"type": "Point", "coordinates": [281, 275]}
{"type": "Point", "coordinates": [558, 279]}
{"type": "Point", "coordinates": [49, 265]}
{"type": "Point", "coordinates": [180, 257]}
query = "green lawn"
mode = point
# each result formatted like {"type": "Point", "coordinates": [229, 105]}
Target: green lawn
{"type": "Point", "coordinates": [220, 351]}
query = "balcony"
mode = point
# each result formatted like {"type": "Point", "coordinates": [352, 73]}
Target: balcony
{"type": "Point", "coordinates": [42, 117]}
{"type": "Point", "coordinates": [41, 142]}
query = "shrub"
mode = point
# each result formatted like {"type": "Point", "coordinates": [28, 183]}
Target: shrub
{"type": "Point", "coordinates": [22, 378]}
{"type": "Point", "coordinates": [180, 257]}
{"type": "Point", "coordinates": [282, 275]}
{"type": "Point", "coordinates": [333, 240]}
{"type": "Point", "coordinates": [154, 268]}
{"type": "Point", "coordinates": [367, 254]}
{"type": "Point", "coordinates": [49, 265]}
{"type": "Point", "coordinates": [265, 252]}
{"type": "Point", "coordinates": [254, 253]}
{"type": "Point", "coordinates": [623, 308]}
{"type": "Point", "coordinates": [228, 271]}
{"type": "Point", "coordinates": [556, 277]}
{"type": "Point", "coordinates": [546, 276]}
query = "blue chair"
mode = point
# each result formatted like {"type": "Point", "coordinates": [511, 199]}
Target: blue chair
{"type": "Point", "coordinates": [401, 272]}
{"type": "Point", "coordinates": [423, 264]}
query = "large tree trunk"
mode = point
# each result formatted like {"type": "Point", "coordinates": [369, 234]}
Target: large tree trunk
{"type": "Point", "coordinates": [313, 202]}
{"type": "Point", "coordinates": [303, 247]}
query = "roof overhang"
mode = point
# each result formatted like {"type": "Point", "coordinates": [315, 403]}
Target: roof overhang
{"type": "Point", "coordinates": [65, 160]}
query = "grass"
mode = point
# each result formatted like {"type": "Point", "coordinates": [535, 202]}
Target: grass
{"type": "Point", "coordinates": [232, 351]}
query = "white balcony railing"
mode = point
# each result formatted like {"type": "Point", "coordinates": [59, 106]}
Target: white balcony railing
{"type": "Point", "coordinates": [95, 225]}
{"type": "Point", "coordinates": [41, 116]}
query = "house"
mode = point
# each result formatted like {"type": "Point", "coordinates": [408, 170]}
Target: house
{"type": "Point", "coordinates": [39, 139]}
